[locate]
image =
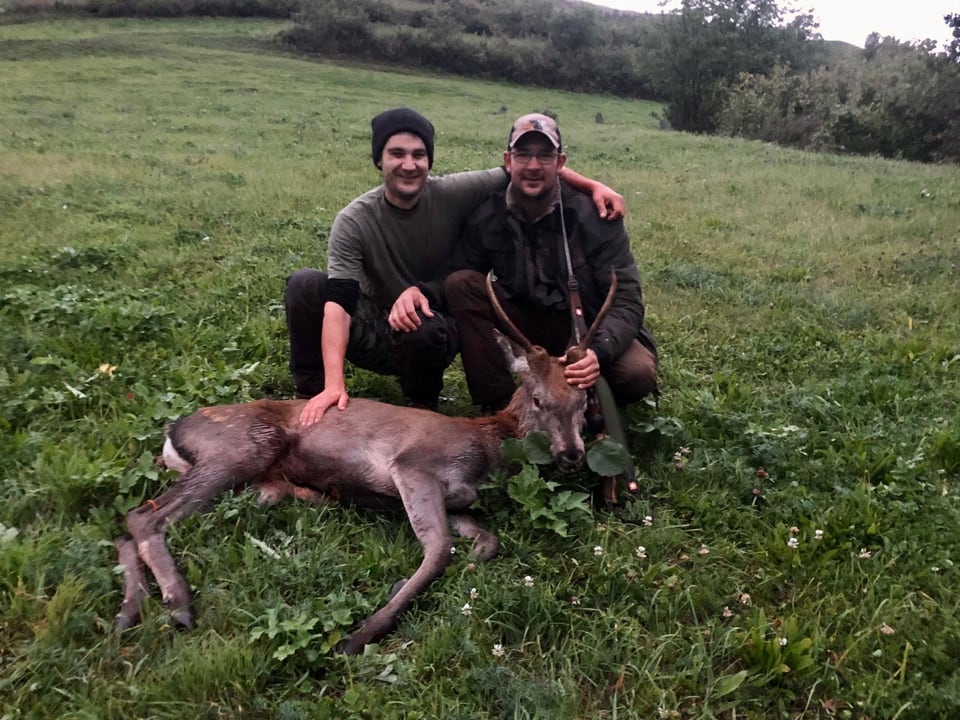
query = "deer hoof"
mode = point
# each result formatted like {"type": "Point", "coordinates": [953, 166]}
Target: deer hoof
{"type": "Point", "coordinates": [349, 646]}
{"type": "Point", "coordinates": [485, 546]}
{"type": "Point", "coordinates": [182, 619]}
{"type": "Point", "coordinates": [397, 586]}
{"type": "Point", "coordinates": [122, 621]}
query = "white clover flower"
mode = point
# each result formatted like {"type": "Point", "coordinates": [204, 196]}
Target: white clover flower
{"type": "Point", "coordinates": [783, 642]}
{"type": "Point", "coordinates": [528, 581]}
{"type": "Point", "coordinates": [641, 552]}
{"type": "Point", "coordinates": [865, 554]}
{"type": "Point", "coordinates": [474, 594]}
{"type": "Point", "coordinates": [453, 549]}
{"type": "Point", "coordinates": [648, 521]}
{"type": "Point", "coordinates": [818, 535]}
{"type": "Point", "coordinates": [466, 609]}
{"type": "Point", "coordinates": [886, 629]}
{"type": "Point", "coordinates": [597, 550]}
{"type": "Point", "coordinates": [498, 650]}
{"type": "Point", "coordinates": [574, 600]}
{"type": "Point", "coordinates": [704, 550]}
{"type": "Point", "coordinates": [793, 543]}
{"type": "Point", "coordinates": [794, 530]}
{"type": "Point", "coordinates": [745, 598]}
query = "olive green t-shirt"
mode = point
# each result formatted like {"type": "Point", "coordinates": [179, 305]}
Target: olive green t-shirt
{"type": "Point", "coordinates": [387, 250]}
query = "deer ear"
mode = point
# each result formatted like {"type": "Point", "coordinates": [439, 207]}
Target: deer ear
{"type": "Point", "coordinates": [515, 355]}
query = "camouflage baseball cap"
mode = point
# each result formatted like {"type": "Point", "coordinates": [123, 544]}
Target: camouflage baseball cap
{"type": "Point", "coordinates": [535, 122]}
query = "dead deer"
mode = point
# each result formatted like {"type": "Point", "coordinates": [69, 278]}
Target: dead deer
{"type": "Point", "coordinates": [371, 454]}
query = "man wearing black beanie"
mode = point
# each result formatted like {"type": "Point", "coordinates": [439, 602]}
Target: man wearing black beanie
{"type": "Point", "coordinates": [390, 122]}
{"type": "Point", "coordinates": [380, 302]}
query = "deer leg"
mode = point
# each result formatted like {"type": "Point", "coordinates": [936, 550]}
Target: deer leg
{"type": "Point", "coordinates": [424, 503]}
{"type": "Point", "coordinates": [148, 526]}
{"type": "Point", "coordinates": [485, 543]}
{"type": "Point", "coordinates": [274, 489]}
{"type": "Point", "coordinates": [135, 589]}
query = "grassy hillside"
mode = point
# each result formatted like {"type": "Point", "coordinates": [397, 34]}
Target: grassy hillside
{"type": "Point", "coordinates": [793, 549]}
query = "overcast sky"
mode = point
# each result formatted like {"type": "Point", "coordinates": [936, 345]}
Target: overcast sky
{"type": "Point", "coordinates": [852, 20]}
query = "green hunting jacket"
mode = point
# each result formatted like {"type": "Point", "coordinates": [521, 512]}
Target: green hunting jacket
{"type": "Point", "coordinates": [529, 265]}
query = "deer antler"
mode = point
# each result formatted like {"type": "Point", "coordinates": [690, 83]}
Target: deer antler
{"type": "Point", "coordinates": [511, 329]}
{"type": "Point", "coordinates": [585, 342]}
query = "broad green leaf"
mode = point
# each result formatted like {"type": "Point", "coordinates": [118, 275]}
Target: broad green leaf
{"type": "Point", "coordinates": [537, 448]}
{"type": "Point", "coordinates": [729, 683]}
{"type": "Point", "coordinates": [607, 457]}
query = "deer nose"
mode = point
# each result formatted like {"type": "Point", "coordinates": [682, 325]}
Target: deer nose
{"type": "Point", "coordinates": [570, 459]}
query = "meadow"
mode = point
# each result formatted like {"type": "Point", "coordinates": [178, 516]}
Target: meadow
{"type": "Point", "coordinates": [792, 552]}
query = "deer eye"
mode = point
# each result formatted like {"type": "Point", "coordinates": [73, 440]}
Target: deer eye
{"type": "Point", "coordinates": [536, 403]}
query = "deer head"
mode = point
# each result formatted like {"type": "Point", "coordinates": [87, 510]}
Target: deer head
{"type": "Point", "coordinates": [546, 402]}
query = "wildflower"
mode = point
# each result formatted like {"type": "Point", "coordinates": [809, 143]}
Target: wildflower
{"type": "Point", "coordinates": [574, 600]}
{"type": "Point", "coordinates": [471, 566]}
{"type": "Point", "coordinates": [704, 550]}
{"type": "Point", "coordinates": [727, 612]}
{"type": "Point", "coordinates": [648, 521]}
{"type": "Point", "coordinates": [466, 609]}
{"type": "Point", "coordinates": [745, 598]}
{"type": "Point", "coordinates": [597, 550]}
{"type": "Point", "coordinates": [453, 550]}
{"type": "Point", "coordinates": [497, 650]}
{"type": "Point", "coordinates": [528, 581]}
{"type": "Point", "coordinates": [793, 543]}
{"type": "Point", "coordinates": [107, 369]}
{"type": "Point", "coordinates": [684, 451]}
{"type": "Point", "coordinates": [886, 629]}
{"type": "Point", "coordinates": [818, 534]}
{"type": "Point", "coordinates": [783, 642]}
{"type": "Point", "coordinates": [641, 552]}
{"type": "Point", "coordinates": [762, 474]}
{"type": "Point", "coordinates": [474, 594]}
{"type": "Point", "coordinates": [794, 530]}
{"type": "Point", "coordinates": [865, 554]}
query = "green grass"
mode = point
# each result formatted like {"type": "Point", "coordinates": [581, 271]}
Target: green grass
{"type": "Point", "coordinates": [159, 179]}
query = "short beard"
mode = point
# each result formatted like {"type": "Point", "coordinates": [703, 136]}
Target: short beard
{"type": "Point", "coordinates": [531, 208]}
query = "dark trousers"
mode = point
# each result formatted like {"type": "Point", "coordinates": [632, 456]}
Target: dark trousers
{"type": "Point", "coordinates": [631, 376]}
{"type": "Point", "coordinates": [417, 358]}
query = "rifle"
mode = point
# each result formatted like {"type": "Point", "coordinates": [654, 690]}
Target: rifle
{"type": "Point", "coordinates": [603, 417]}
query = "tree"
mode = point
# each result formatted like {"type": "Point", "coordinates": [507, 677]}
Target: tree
{"type": "Point", "coordinates": [953, 47]}
{"type": "Point", "coordinates": [707, 44]}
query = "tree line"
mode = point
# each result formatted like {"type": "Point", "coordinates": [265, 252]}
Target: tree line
{"type": "Point", "coordinates": [748, 68]}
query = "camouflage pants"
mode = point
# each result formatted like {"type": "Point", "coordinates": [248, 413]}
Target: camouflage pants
{"type": "Point", "coordinates": [418, 359]}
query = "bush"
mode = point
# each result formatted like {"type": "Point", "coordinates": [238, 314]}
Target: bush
{"type": "Point", "coordinates": [183, 8]}
{"type": "Point", "coordinates": [902, 101]}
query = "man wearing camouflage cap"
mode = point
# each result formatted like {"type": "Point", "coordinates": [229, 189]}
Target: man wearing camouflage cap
{"type": "Point", "coordinates": [525, 235]}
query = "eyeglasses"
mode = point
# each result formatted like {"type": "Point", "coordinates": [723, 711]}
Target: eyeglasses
{"type": "Point", "coordinates": [523, 157]}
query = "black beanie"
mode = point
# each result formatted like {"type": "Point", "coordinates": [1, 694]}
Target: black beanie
{"type": "Point", "coordinates": [390, 122]}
